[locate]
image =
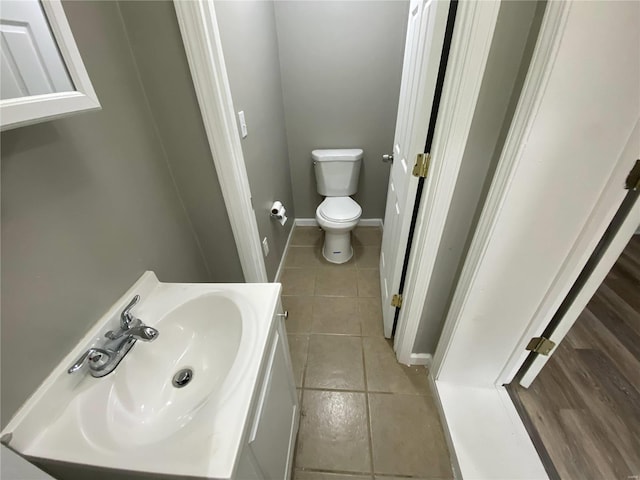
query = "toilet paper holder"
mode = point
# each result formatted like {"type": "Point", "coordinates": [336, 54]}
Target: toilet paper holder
{"type": "Point", "coordinates": [278, 212]}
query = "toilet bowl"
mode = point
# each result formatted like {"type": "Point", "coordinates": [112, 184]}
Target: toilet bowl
{"type": "Point", "coordinates": [337, 216]}
{"type": "Point", "coordinates": [337, 172]}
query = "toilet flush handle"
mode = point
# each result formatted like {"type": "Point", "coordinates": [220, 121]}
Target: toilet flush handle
{"type": "Point", "coordinates": [387, 158]}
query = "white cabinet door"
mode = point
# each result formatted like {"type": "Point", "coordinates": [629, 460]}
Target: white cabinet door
{"type": "Point", "coordinates": [31, 62]}
{"type": "Point", "coordinates": [272, 437]}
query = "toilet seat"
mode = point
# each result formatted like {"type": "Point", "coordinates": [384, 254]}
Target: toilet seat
{"type": "Point", "coordinates": [339, 209]}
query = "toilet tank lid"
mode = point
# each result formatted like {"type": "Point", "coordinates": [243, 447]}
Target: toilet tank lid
{"type": "Point", "coordinates": [343, 154]}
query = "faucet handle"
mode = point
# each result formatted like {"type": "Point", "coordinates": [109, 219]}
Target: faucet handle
{"type": "Point", "coordinates": [144, 333]}
{"type": "Point", "coordinates": [126, 317]}
{"type": "Point", "coordinates": [97, 358]}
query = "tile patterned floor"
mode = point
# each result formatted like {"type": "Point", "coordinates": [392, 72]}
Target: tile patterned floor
{"type": "Point", "coordinates": [364, 416]}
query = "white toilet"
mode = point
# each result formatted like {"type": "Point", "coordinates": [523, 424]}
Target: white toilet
{"type": "Point", "coordinates": [337, 174]}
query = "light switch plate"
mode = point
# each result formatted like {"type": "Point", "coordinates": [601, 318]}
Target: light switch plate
{"type": "Point", "coordinates": [243, 124]}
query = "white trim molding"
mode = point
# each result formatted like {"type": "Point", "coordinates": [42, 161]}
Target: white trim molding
{"type": "Point", "coordinates": [475, 24]}
{"type": "Point", "coordinates": [18, 112]}
{"type": "Point", "coordinates": [283, 259]}
{"type": "Point", "coordinates": [201, 37]}
{"type": "Point", "coordinates": [421, 359]}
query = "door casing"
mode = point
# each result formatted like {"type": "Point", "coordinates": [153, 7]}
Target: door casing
{"type": "Point", "coordinates": [470, 47]}
{"type": "Point", "coordinates": [508, 290]}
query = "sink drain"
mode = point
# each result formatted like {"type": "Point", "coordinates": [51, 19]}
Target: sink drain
{"type": "Point", "coordinates": [182, 378]}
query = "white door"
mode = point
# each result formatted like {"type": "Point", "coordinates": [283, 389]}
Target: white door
{"type": "Point", "coordinates": [423, 47]}
{"type": "Point", "coordinates": [30, 61]}
{"type": "Point", "coordinates": [616, 245]}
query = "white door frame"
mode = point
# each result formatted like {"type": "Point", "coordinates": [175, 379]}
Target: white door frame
{"type": "Point", "coordinates": [608, 204]}
{"type": "Point", "coordinates": [475, 24]}
{"type": "Point", "coordinates": [539, 70]}
{"type": "Point", "coordinates": [597, 276]}
{"type": "Point", "coordinates": [542, 64]}
{"type": "Point", "coordinates": [476, 354]}
{"type": "Point", "coordinates": [471, 42]}
{"type": "Point", "coordinates": [201, 37]}
{"type": "Point", "coordinates": [472, 39]}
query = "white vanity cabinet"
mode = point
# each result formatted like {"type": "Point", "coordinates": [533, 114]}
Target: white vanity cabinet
{"type": "Point", "coordinates": [273, 425]}
{"type": "Point", "coordinates": [236, 420]}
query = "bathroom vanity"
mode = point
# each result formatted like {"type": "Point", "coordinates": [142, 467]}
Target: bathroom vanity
{"type": "Point", "coordinates": [213, 396]}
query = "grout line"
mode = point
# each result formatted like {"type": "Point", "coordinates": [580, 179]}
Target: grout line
{"type": "Point", "coordinates": [376, 392]}
{"type": "Point", "coordinates": [333, 267]}
{"type": "Point", "coordinates": [367, 474]}
{"type": "Point", "coordinates": [336, 472]}
{"type": "Point", "coordinates": [339, 335]}
{"type": "Point", "coordinates": [367, 408]}
{"type": "Point", "coordinates": [306, 360]}
{"type": "Point", "coordinates": [306, 364]}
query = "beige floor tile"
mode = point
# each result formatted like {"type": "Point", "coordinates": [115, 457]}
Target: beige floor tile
{"type": "Point", "coordinates": [333, 432]}
{"type": "Point", "coordinates": [338, 282]}
{"type": "Point", "coordinates": [298, 281]}
{"type": "Point", "coordinates": [351, 263]}
{"type": "Point", "coordinates": [334, 362]}
{"type": "Point", "coordinates": [298, 346]}
{"type": "Point", "coordinates": [370, 313]}
{"type": "Point", "coordinates": [300, 313]}
{"type": "Point", "coordinates": [367, 236]}
{"type": "Point", "coordinates": [303, 257]}
{"type": "Point", "coordinates": [306, 475]}
{"type": "Point", "coordinates": [307, 236]}
{"type": "Point", "coordinates": [368, 282]}
{"type": "Point", "coordinates": [407, 436]}
{"type": "Point", "coordinates": [337, 315]}
{"type": "Point", "coordinates": [385, 374]}
{"type": "Point", "coordinates": [367, 256]}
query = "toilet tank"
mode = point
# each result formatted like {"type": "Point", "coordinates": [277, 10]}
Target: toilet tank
{"type": "Point", "coordinates": [337, 171]}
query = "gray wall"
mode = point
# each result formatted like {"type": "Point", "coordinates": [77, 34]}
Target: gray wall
{"type": "Point", "coordinates": [341, 64]}
{"type": "Point", "coordinates": [158, 50]}
{"type": "Point", "coordinates": [250, 47]}
{"type": "Point", "coordinates": [88, 204]}
{"type": "Point", "coordinates": [513, 42]}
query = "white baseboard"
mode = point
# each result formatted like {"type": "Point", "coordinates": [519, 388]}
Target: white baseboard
{"type": "Point", "coordinates": [306, 222]}
{"type": "Point", "coordinates": [284, 254]}
{"type": "Point", "coordinates": [370, 222]}
{"type": "Point", "coordinates": [421, 359]}
{"type": "Point", "coordinates": [364, 222]}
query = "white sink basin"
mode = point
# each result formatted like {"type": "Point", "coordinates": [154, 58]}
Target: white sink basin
{"type": "Point", "coordinates": [141, 404]}
{"type": "Point", "coordinates": [135, 418]}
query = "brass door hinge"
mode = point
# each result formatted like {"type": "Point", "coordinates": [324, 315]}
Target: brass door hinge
{"type": "Point", "coordinates": [421, 168]}
{"type": "Point", "coordinates": [396, 301]}
{"type": "Point", "coordinates": [633, 180]}
{"type": "Point", "coordinates": [541, 345]}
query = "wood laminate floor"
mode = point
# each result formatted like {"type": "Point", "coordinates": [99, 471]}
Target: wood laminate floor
{"type": "Point", "coordinates": [584, 408]}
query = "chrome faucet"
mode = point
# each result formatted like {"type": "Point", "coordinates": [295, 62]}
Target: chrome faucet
{"type": "Point", "coordinates": [105, 359]}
